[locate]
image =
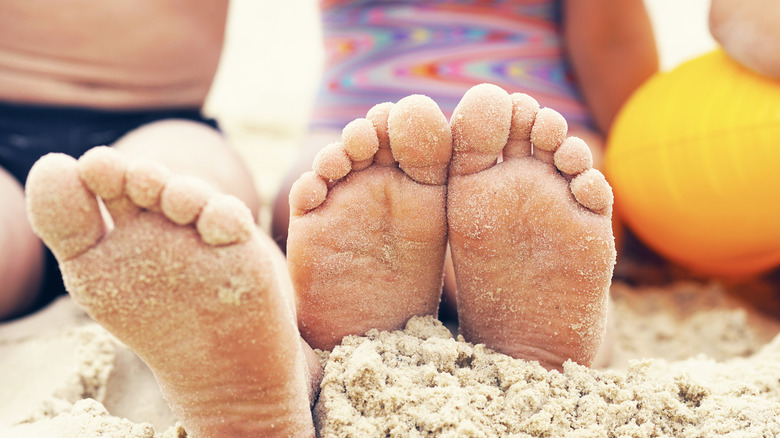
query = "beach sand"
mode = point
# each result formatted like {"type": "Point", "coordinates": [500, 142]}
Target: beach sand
{"type": "Point", "coordinates": [687, 359]}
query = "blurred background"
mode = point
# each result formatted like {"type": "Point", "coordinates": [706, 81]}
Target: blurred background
{"type": "Point", "coordinates": [273, 56]}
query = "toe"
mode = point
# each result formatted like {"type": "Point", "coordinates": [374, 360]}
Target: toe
{"type": "Point", "coordinates": [103, 170]}
{"type": "Point", "coordinates": [591, 189]}
{"type": "Point", "coordinates": [548, 133]}
{"type": "Point", "coordinates": [480, 128]}
{"type": "Point", "coordinates": [183, 198]}
{"type": "Point", "coordinates": [573, 157]}
{"type": "Point", "coordinates": [307, 193]}
{"type": "Point", "coordinates": [225, 220]}
{"type": "Point", "coordinates": [420, 139]}
{"type": "Point", "coordinates": [378, 115]}
{"type": "Point", "coordinates": [145, 181]}
{"type": "Point", "coordinates": [332, 162]}
{"type": "Point", "coordinates": [62, 211]}
{"type": "Point", "coordinates": [524, 109]}
{"type": "Point", "coordinates": [360, 142]}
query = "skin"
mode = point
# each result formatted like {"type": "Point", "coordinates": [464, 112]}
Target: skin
{"type": "Point", "coordinates": [612, 50]}
{"type": "Point", "coordinates": [150, 55]}
{"type": "Point", "coordinates": [367, 245]}
{"type": "Point", "coordinates": [531, 236]}
{"type": "Point", "coordinates": [185, 279]}
{"type": "Point", "coordinates": [748, 32]}
{"type": "Point", "coordinates": [182, 276]}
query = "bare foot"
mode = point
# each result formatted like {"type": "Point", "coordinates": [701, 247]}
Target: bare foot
{"type": "Point", "coordinates": [368, 229]}
{"type": "Point", "coordinates": [186, 281]}
{"type": "Point", "coordinates": [531, 242]}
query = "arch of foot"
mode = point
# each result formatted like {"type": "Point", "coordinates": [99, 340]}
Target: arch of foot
{"type": "Point", "coordinates": [127, 188]}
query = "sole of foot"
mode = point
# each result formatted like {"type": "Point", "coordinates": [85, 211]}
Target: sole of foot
{"type": "Point", "coordinates": [531, 235]}
{"type": "Point", "coordinates": [181, 275]}
{"type": "Point", "coordinates": [368, 230]}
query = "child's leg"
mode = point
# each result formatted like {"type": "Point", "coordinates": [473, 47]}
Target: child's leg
{"type": "Point", "coordinates": [381, 51]}
{"type": "Point", "coordinates": [749, 33]}
{"type": "Point", "coordinates": [21, 253]}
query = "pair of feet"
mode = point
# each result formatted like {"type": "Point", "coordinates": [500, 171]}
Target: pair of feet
{"type": "Point", "coordinates": [184, 278]}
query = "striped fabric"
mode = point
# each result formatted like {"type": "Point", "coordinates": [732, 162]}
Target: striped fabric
{"type": "Point", "coordinates": [383, 50]}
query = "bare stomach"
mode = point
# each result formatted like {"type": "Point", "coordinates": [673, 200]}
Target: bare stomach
{"type": "Point", "coordinates": [107, 92]}
{"type": "Point", "coordinates": [120, 55]}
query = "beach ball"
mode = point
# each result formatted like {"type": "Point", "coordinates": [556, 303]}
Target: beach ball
{"type": "Point", "coordinates": [694, 160]}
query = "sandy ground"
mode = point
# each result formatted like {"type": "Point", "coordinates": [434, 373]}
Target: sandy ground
{"type": "Point", "coordinates": [700, 347]}
{"type": "Point", "coordinates": [688, 359]}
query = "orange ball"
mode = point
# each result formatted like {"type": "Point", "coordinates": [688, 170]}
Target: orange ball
{"type": "Point", "coordinates": [692, 158]}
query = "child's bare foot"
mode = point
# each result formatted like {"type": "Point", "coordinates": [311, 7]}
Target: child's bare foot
{"type": "Point", "coordinates": [531, 242]}
{"type": "Point", "coordinates": [186, 281]}
{"type": "Point", "coordinates": [368, 229]}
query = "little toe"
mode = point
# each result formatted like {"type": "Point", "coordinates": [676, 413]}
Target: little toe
{"type": "Point", "coordinates": [548, 133]}
{"type": "Point", "coordinates": [420, 139]}
{"type": "Point", "coordinates": [54, 191]}
{"type": "Point", "coordinates": [225, 220]}
{"type": "Point", "coordinates": [307, 193]}
{"type": "Point", "coordinates": [183, 198]}
{"type": "Point", "coordinates": [590, 188]}
{"type": "Point", "coordinates": [480, 128]}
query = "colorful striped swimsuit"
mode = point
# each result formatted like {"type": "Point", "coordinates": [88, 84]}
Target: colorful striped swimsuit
{"type": "Point", "coordinates": [383, 50]}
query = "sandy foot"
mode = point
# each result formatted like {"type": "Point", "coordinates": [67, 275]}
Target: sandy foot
{"type": "Point", "coordinates": [186, 281]}
{"type": "Point", "coordinates": [368, 229]}
{"type": "Point", "coordinates": [531, 236]}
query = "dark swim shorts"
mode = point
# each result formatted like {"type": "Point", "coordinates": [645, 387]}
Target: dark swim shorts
{"type": "Point", "coordinates": [27, 132]}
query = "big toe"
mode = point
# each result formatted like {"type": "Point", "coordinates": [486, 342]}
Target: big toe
{"type": "Point", "coordinates": [480, 128]}
{"type": "Point", "coordinates": [420, 139]}
{"type": "Point", "coordinates": [55, 193]}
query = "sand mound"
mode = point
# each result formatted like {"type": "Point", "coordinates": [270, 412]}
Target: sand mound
{"type": "Point", "coordinates": [712, 370]}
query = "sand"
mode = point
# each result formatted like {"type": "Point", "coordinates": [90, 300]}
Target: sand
{"type": "Point", "coordinates": [688, 359]}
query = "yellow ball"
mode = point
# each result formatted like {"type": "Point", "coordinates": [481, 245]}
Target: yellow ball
{"type": "Point", "coordinates": [693, 159]}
